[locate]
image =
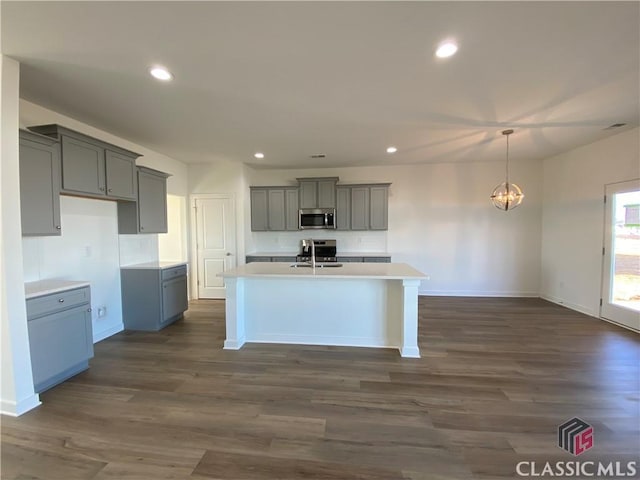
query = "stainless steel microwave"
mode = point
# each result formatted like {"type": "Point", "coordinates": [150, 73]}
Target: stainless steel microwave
{"type": "Point", "coordinates": [316, 218]}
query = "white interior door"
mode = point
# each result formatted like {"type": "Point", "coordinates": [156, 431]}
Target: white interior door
{"type": "Point", "coordinates": [215, 242]}
{"type": "Point", "coordinates": [621, 266]}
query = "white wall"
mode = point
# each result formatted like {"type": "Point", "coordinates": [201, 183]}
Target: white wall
{"type": "Point", "coordinates": [573, 217]}
{"type": "Point", "coordinates": [440, 220]}
{"type": "Point", "coordinates": [87, 250]}
{"type": "Point", "coordinates": [17, 395]}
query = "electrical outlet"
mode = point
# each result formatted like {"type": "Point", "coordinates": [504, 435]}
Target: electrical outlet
{"type": "Point", "coordinates": [102, 311]}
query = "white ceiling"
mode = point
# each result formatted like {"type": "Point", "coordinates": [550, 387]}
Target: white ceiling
{"type": "Point", "coordinates": [346, 79]}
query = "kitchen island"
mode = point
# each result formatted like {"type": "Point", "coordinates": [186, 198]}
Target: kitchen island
{"type": "Point", "coordinates": [357, 304]}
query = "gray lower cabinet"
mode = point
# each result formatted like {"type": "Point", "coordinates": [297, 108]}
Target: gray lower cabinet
{"type": "Point", "coordinates": [153, 298]}
{"type": "Point", "coordinates": [364, 259]}
{"type": "Point", "coordinates": [91, 167]}
{"type": "Point", "coordinates": [349, 259]}
{"type": "Point", "coordinates": [274, 209]}
{"type": "Point", "coordinates": [39, 184]}
{"type": "Point", "coordinates": [256, 258]}
{"type": "Point", "coordinates": [60, 336]}
{"type": "Point", "coordinates": [376, 259]}
{"type": "Point", "coordinates": [149, 213]}
{"type": "Point", "coordinates": [261, 258]}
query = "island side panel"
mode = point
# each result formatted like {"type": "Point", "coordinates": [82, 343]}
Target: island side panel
{"type": "Point", "coordinates": [320, 311]}
{"type": "Point", "coordinates": [235, 313]}
{"type": "Point", "coordinates": [409, 347]}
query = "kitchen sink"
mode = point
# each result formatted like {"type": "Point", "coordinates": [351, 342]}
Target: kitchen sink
{"type": "Point", "coordinates": [318, 265]}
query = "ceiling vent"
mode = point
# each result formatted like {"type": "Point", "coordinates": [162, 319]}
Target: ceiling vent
{"type": "Point", "coordinates": [615, 125]}
{"type": "Point", "coordinates": [318, 155]}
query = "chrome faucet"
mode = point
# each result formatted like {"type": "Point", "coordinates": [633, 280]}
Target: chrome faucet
{"type": "Point", "coordinates": [310, 246]}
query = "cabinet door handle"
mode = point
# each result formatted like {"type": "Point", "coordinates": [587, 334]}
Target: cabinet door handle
{"type": "Point", "coordinates": [58, 227]}
{"type": "Point", "coordinates": [110, 190]}
{"type": "Point", "coordinates": [61, 300]}
{"type": "Point", "coordinates": [89, 310]}
{"type": "Point", "coordinates": [141, 228]}
{"type": "Point", "coordinates": [101, 189]}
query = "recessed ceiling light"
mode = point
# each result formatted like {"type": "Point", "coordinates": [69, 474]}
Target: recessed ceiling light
{"type": "Point", "coordinates": [258, 155]}
{"type": "Point", "coordinates": [161, 73]}
{"type": "Point", "coordinates": [392, 149]}
{"type": "Point", "coordinates": [446, 49]}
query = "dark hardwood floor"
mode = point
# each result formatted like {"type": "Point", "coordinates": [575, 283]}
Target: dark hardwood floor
{"type": "Point", "coordinates": [496, 378]}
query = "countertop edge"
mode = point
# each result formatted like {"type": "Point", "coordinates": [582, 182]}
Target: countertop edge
{"type": "Point", "coordinates": [41, 288]}
{"type": "Point", "coordinates": [362, 271]}
{"type": "Point", "coordinates": [153, 265]}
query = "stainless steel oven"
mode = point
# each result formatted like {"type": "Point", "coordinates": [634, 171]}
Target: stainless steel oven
{"type": "Point", "coordinates": [317, 218]}
{"type": "Point", "coordinates": [325, 250]}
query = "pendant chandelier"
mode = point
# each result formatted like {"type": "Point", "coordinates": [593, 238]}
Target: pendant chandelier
{"type": "Point", "coordinates": [507, 196]}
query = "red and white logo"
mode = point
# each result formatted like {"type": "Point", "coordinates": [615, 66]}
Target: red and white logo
{"type": "Point", "coordinates": [575, 436]}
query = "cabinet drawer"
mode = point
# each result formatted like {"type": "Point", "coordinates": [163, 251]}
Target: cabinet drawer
{"type": "Point", "coordinates": [57, 302]}
{"type": "Point", "coordinates": [377, 259]}
{"type": "Point", "coordinates": [350, 259]}
{"type": "Point", "coordinates": [169, 273]}
{"type": "Point", "coordinates": [283, 259]}
{"type": "Point", "coordinates": [253, 258]}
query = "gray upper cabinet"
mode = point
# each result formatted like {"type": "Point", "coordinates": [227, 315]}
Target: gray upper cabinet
{"type": "Point", "coordinates": [121, 176]}
{"type": "Point", "coordinates": [379, 207]}
{"type": "Point", "coordinates": [149, 213]}
{"type": "Point", "coordinates": [318, 192]}
{"type": "Point", "coordinates": [360, 203]}
{"type": "Point", "coordinates": [83, 168]}
{"type": "Point", "coordinates": [343, 208]}
{"type": "Point", "coordinates": [308, 194]}
{"type": "Point", "coordinates": [274, 209]}
{"type": "Point", "coordinates": [291, 208]}
{"type": "Point", "coordinates": [152, 201]}
{"type": "Point", "coordinates": [358, 207]}
{"type": "Point", "coordinates": [259, 210]}
{"type": "Point", "coordinates": [369, 209]}
{"type": "Point", "coordinates": [91, 167]}
{"type": "Point", "coordinates": [39, 184]}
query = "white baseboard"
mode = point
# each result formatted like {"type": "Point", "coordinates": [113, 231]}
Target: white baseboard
{"type": "Point", "coordinates": [324, 340]}
{"type": "Point", "coordinates": [234, 344]}
{"type": "Point", "coordinates": [98, 336]}
{"type": "Point", "coordinates": [15, 409]}
{"type": "Point", "coordinates": [572, 306]}
{"type": "Point", "coordinates": [476, 293]}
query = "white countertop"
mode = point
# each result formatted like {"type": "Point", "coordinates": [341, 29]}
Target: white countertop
{"type": "Point", "coordinates": [45, 287]}
{"type": "Point", "coordinates": [154, 265]}
{"type": "Point", "coordinates": [339, 254]}
{"type": "Point", "coordinates": [385, 271]}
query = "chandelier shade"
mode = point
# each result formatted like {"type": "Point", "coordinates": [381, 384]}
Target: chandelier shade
{"type": "Point", "coordinates": [507, 195]}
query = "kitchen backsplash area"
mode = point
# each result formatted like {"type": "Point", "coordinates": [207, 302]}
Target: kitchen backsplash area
{"type": "Point", "coordinates": [87, 250]}
{"type": "Point", "coordinates": [362, 242]}
{"type": "Point", "coordinates": [138, 249]}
